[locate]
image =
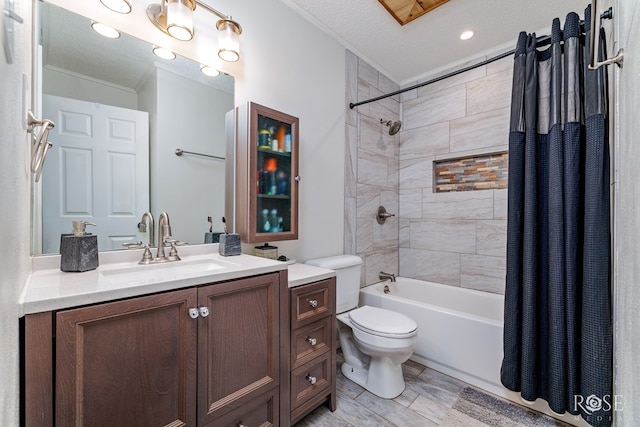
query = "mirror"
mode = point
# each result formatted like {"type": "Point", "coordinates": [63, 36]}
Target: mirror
{"type": "Point", "coordinates": [120, 114]}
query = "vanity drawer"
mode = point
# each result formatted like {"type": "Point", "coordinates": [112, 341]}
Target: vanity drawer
{"type": "Point", "coordinates": [310, 379]}
{"type": "Point", "coordinates": [262, 411]}
{"type": "Point", "coordinates": [312, 302]}
{"type": "Point", "coordinates": [310, 341]}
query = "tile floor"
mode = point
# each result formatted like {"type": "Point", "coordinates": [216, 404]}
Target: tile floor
{"type": "Point", "coordinates": [430, 399]}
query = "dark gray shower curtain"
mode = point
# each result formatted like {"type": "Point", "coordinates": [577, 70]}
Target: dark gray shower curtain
{"type": "Point", "coordinates": [557, 330]}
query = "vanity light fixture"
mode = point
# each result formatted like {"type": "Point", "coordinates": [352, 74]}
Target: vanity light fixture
{"type": "Point", "coordinates": [209, 71]}
{"type": "Point", "coordinates": [163, 53]}
{"type": "Point", "coordinates": [175, 17]}
{"type": "Point", "coordinates": [229, 40]}
{"type": "Point", "coordinates": [466, 35]}
{"type": "Point", "coordinates": [120, 6]}
{"type": "Point", "coordinates": [105, 30]}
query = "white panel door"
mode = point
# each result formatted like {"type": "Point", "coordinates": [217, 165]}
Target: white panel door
{"type": "Point", "coordinates": [97, 171]}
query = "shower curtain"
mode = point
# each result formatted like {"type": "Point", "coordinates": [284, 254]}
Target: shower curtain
{"type": "Point", "coordinates": [558, 328]}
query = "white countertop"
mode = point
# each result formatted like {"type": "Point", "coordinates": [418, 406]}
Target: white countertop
{"type": "Point", "coordinates": [301, 274]}
{"type": "Point", "coordinates": [119, 276]}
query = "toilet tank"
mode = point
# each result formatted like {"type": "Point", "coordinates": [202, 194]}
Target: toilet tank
{"type": "Point", "coordinates": [347, 268]}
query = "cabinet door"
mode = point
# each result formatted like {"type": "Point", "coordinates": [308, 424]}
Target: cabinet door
{"type": "Point", "coordinates": [127, 363]}
{"type": "Point", "coordinates": [238, 344]}
{"type": "Point", "coordinates": [267, 205]}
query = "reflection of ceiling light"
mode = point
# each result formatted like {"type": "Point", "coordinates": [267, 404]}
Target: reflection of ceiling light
{"type": "Point", "coordinates": [120, 6]}
{"type": "Point", "coordinates": [228, 40]}
{"type": "Point", "coordinates": [175, 17]}
{"type": "Point", "coordinates": [466, 35]}
{"type": "Point", "coordinates": [105, 30]}
{"type": "Point", "coordinates": [209, 71]}
{"type": "Point", "coordinates": [163, 53]}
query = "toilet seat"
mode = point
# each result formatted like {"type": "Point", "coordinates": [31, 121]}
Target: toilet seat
{"type": "Point", "coordinates": [381, 322]}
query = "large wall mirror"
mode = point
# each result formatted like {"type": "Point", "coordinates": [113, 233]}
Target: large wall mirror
{"type": "Point", "coordinates": [120, 114]}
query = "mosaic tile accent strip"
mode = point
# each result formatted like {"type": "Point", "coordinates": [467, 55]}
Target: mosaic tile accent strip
{"type": "Point", "coordinates": [482, 172]}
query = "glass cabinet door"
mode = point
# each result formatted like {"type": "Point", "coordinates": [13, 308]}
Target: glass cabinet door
{"type": "Point", "coordinates": [273, 166]}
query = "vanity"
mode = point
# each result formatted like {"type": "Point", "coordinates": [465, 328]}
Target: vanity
{"type": "Point", "coordinates": [217, 341]}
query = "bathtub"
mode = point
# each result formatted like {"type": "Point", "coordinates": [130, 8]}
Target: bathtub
{"type": "Point", "coordinates": [459, 330]}
{"type": "Point", "coordinates": [459, 333]}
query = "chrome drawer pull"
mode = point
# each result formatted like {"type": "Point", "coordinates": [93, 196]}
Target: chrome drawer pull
{"type": "Point", "coordinates": [204, 311]}
{"type": "Point", "coordinates": [194, 313]}
{"type": "Point", "coordinates": [312, 341]}
{"type": "Point", "coordinates": [313, 303]}
{"type": "Point", "coordinates": [311, 379]}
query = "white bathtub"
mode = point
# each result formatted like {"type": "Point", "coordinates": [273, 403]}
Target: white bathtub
{"type": "Point", "coordinates": [459, 333]}
{"type": "Point", "coordinates": [459, 330]}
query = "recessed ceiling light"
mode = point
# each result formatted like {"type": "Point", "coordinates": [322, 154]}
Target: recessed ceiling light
{"type": "Point", "coordinates": [209, 71]}
{"type": "Point", "coordinates": [105, 30]}
{"type": "Point", "coordinates": [164, 53]}
{"type": "Point", "coordinates": [120, 6]}
{"type": "Point", "coordinates": [466, 35]}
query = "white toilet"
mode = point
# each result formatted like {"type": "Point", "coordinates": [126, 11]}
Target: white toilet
{"type": "Point", "coordinates": [375, 342]}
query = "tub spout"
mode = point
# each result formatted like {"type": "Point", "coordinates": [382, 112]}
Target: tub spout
{"type": "Point", "coordinates": [387, 276]}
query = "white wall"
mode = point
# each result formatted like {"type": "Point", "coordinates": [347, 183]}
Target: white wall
{"type": "Point", "coordinates": [76, 86]}
{"type": "Point", "coordinates": [14, 209]}
{"type": "Point", "coordinates": [189, 188]}
{"type": "Point", "coordinates": [626, 218]}
{"type": "Point", "coordinates": [290, 65]}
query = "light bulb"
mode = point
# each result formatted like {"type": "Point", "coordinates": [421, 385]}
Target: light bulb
{"type": "Point", "coordinates": [179, 20]}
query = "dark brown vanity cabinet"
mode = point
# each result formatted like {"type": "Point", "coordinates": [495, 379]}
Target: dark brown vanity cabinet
{"type": "Point", "coordinates": [313, 351]}
{"type": "Point", "coordinates": [202, 356]}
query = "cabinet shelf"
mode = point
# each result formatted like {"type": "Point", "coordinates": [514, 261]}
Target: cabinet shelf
{"type": "Point", "coordinates": [267, 150]}
{"type": "Point", "coordinates": [274, 196]}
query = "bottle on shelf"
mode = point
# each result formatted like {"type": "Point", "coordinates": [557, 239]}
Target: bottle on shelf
{"type": "Point", "coordinates": [265, 224]}
{"type": "Point", "coordinates": [273, 221]}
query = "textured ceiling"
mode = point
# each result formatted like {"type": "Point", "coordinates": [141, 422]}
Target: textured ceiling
{"type": "Point", "coordinates": [406, 53]}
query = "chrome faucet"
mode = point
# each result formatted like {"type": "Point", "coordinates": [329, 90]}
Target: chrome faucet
{"type": "Point", "coordinates": [142, 226]}
{"type": "Point", "coordinates": [387, 276]}
{"type": "Point", "coordinates": [164, 232]}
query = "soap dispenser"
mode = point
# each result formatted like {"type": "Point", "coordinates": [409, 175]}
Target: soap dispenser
{"type": "Point", "coordinates": [79, 250]}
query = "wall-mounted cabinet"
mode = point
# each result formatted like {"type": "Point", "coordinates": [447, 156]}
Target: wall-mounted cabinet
{"type": "Point", "coordinates": [267, 177]}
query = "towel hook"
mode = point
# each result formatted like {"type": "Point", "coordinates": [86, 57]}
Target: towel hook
{"type": "Point", "coordinates": [594, 45]}
{"type": "Point", "coordinates": [40, 144]}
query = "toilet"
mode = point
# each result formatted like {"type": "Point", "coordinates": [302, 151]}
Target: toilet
{"type": "Point", "coordinates": [375, 341]}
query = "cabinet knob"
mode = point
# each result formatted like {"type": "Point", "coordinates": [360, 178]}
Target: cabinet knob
{"type": "Point", "coordinates": [313, 303]}
{"type": "Point", "coordinates": [312, 341]}
{"type": "Point", "coordinates": [204, 311]}
{"type": "Point", "coordinates": [311, 379]}
{"type": "Point", "coordinates": [298, 178]}
{"type": "Point", "coordinates": [242, 425]}
{"type": "Point", "coordinates": [194, 313]}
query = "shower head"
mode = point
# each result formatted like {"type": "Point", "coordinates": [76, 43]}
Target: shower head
{"type": "Point", "coordinates": [394, 127]}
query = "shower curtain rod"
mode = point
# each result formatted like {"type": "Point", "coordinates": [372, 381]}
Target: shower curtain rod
{"type": "Point", "coordinates": [540, 41]}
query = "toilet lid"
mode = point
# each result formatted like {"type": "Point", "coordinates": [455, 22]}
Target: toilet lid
{"type": "Point", "coordinates": [381, 321]}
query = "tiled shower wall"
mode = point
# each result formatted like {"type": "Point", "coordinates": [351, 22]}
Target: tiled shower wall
{"type": "Point", "coordinates": [371, 171]}
{"type": "Point", "coordinates": [455, 238]}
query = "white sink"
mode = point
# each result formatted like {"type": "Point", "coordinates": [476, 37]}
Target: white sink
{"type": "Point", "coordinates": [165, 271]}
